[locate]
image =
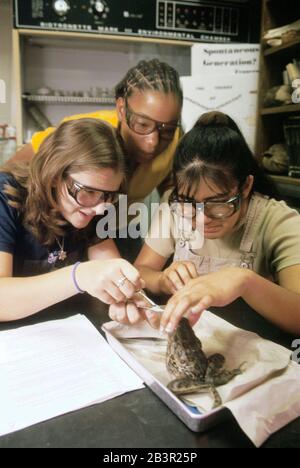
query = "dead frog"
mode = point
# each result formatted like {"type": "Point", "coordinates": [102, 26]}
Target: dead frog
{"type": "Point", "coordinates": [192, 370]}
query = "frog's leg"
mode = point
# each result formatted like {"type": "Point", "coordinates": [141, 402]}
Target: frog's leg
{"type": "Point", "coordinates": [215, 364]}
{"type": "Point", "coordinates": [224, 376]}
{"type": "Point", "coordinates": [216, 395]}
{"type": "Point", "coordinates": [184, 385]}
{"type": "Point", "coordinates": [216, 374]}
{"type": "Point", "coordinates": [216, 361]}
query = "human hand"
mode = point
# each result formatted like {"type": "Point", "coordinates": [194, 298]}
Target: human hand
{"type": "Point", "coordinates": [215, 289]}
{"type": "Point", "coordinates": [111, 281]}
{"type": "Point", "coordinates": [130, 313]}
{"type": "Point", "coordinates": [176, 276]}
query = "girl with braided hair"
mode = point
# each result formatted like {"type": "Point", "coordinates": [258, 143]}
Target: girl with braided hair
{"type": "Point", "coordinates": [148, 107]}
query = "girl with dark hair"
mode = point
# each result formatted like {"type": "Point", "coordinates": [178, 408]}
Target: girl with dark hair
{"type": "Point", "coordinates": [47, 251]}
{"type": "Point", "coordinates": [242, 242]}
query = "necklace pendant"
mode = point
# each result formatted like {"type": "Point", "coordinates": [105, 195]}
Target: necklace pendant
{"type": "Point", "coordinates": [62, 255]}
{"type": "Point", "coordinates": [182, 242]}
{"type": "Point", "coordinates": [52, 257]}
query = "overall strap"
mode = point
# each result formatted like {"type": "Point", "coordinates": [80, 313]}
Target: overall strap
{"type": "Point", "coordinates": [253, 221]}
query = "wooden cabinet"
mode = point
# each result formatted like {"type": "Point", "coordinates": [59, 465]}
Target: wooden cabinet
{"type": "Point", "coordinates": [273, 60]}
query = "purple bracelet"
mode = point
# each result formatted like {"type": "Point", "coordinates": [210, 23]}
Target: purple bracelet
{"type": "Point", "coordinates": [74, 278]}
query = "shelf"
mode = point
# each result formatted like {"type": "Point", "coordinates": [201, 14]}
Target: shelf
{"type": "Point", "coordinates": [68, 99]}
{"type": "Point", "coordinates": [71, 35]}
{"type": "Point", "coordinates": [290, 108]}
{"type": "Point", "coordinates": [290, 47]}
{"type": "Point", "coordinates": [289, 189]}
{"type": "Point", "coordinates": [286, 180]}
{"type": "Point", "coordinates": [271, 120]}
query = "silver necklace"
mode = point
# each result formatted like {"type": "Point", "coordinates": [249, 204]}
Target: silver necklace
{"type": "Point", "coordinates": [58, 254]}
{"type": "Point", "coordinates": [62, 254]}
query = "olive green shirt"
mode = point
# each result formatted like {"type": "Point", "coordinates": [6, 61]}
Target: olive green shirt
{"type": "Point", "coordinates": [277, 241]}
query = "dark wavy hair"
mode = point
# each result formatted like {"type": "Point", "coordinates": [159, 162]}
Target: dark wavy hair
{"type": "Point", "coordinates": [76, 145]}
{"type": "Point", "coordinates": [215, 150]}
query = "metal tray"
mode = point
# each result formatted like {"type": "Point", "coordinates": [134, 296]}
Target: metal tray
{"type": "Point", "coordinates": [194, 420]}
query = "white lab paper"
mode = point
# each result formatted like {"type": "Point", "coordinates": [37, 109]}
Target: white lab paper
{"type": "Point", "coordinates": [233, 95]}
{"type": "Point", "coordinates": [55, 367]}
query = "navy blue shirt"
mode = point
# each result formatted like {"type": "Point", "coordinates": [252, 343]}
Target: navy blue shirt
{"type": "Point", "coordinates": [30, 256]}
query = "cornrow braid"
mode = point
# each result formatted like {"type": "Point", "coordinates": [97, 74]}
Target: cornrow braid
{"type": "Point", "coordinates": [151, 75]}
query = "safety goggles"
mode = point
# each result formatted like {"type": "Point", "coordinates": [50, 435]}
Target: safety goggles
{"type": "Point", "coordinates": [188, 207]}
{"type": "Point", "coordinates": [143, 125]}
{"type": "Point", "coordinates": [88, 196]}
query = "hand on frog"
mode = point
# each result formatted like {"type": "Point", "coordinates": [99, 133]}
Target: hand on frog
{"type": "Point", "coordinates": [129, 313]}
{"type": "Point", "coordinates": [176, 276]}
{"type": "Point", "coordinates": [215, 289]}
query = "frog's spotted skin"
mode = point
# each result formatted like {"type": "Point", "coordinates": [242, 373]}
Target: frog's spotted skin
{"type": "Point", "coordinates": [192, 370]}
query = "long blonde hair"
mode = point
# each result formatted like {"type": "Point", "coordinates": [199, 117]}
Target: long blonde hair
{"type": "Point", "coordinates": [76, 145]}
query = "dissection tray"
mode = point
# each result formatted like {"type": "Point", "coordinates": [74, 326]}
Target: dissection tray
{"type": "Point", "coordinates": [122, 345]}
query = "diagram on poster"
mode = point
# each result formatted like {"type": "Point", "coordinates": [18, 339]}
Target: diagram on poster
{"type": "Point", "coordinates": [225, 78]}
{"type": "Point", "coordinates": [228, 94]}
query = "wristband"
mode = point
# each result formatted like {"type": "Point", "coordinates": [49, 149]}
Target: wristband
{"type": "Point", "coordinates": [74, 278]}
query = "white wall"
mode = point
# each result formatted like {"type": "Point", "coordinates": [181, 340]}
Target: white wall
{"type": "Point", "coordinates": [6, 58]}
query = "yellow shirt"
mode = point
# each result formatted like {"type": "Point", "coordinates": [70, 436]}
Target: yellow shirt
{"type": "Point", "coordinates": [147, 176]}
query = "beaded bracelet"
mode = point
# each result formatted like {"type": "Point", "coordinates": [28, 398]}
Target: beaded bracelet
{"type": "Point", "coordinates": [74, 278]}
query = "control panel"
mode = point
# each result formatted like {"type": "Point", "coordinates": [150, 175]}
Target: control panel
{"type": "Point", "coordinates": [196, 21]}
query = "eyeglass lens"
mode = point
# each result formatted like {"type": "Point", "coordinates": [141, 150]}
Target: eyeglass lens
{"type": "Point", "coordinates": [188, 209]}
{"type": "Point", "coordinates": [92, 198]}
{"type": "Point", "coordinates": [145, 126]}
{"type": "Point", "coordinates": [89, 198]}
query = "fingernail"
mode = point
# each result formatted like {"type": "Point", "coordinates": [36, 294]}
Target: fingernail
{"type": "Point", "coordinates": [195, 310]}
{"type": "Point", "coordinates": [150, 314]}
{"type": "Point", "coordinates": [170, 328]}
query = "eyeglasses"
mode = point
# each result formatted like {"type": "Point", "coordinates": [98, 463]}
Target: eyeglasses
{"type": "Point", "coordinates": [188, 207]}
{"type": "Point", "coordinates": [144, 125]}
{"type": "Point", "coordinates": [88, 196]}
